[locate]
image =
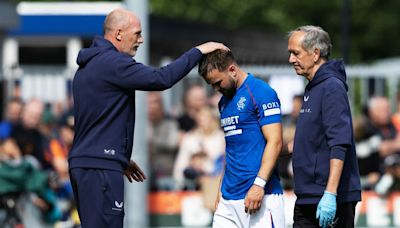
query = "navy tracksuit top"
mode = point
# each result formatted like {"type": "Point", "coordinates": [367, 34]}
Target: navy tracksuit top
{"type": "Point", "coordinates": [324, 130]}
{"type": "Point", "coordinates": [104, 102]}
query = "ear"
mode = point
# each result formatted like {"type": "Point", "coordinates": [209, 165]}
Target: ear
{"type": "Point", "coordinates": [232, 68]}
{"type": "Point", "coordinates": [317, 54]}
{"type": "Point", "coordinates": [118, 35]}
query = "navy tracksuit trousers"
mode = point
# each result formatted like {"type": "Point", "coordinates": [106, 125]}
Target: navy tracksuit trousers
{"type": "Point", "coordinates": [99, 196]}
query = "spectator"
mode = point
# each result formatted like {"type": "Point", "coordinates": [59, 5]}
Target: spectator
{"type": "Point", "coordinates": [213, 101]}
{"type": "Point", "coordinates": [57, 155]}
{"type": "Point", "coordinates": [390, 181]}
{"type": "Point", "coordinates": [197, 168]}
{"type": "Point", "coordinates": [59, 147]}
{"type": "Point", "coordinates": [194, 99]}
{"type": "Point", "coordinates": [206, 137]}
{"type": "Point", "coordinates": [396, 115]}
{"type": "Point", "coordinates": [373, 140]}
{"type": "Point", "coordinates": [29, 139]}
{"type": "Point", "coordinates": [19, 175]}
{"type": "Point", "coordinates": [12, 116]}
{"type": "Point", "coordinates": [288, 126]}
{"type": "Point", "coordinates": [163, 140]}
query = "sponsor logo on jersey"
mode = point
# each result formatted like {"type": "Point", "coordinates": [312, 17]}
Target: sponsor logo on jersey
{"type": "Point", "coordinates": [306, 98]}
{"type": "Point", "coordinates": [271, 108]}
{"type": "Point", "coordinates": [229, 125]}
{"type": "Point", "coordinates": [233, 132]}
{"type": "Point", "coordinates": [231, 120]}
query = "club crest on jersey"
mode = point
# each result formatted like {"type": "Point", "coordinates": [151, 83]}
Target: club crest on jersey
{"type": "Point", "coordinates": [241, 103]}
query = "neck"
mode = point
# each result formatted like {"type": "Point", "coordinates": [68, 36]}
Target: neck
{"type": "Point", "coordinates": [113, 41]}
{"type": "Point", "coordinates": [241, 77]}
{"type": "Point", "coordinates": [315, 69]}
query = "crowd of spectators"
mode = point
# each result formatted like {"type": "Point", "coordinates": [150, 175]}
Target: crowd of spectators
{"type": "Point", "coordinates": [34, 145]}
{"type": "Point", "coordinates": [184, 148]}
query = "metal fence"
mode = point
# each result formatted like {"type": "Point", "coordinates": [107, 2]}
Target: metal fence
{"type": "Point", "coordinates": [53, 83]}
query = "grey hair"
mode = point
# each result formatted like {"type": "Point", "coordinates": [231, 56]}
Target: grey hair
{"type": "Point", "coordinates": [315, 37]}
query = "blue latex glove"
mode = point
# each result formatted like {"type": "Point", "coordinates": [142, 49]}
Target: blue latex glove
{"type": "Point", "coordinates": [326, 209]}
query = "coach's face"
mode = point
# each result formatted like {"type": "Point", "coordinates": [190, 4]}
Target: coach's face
{"type": "Point", "coordinates": [131, 36]}
{"type": "Point", "coordinates": [304, 61]}
{"type": "Point", "coordinates": [223, 81]}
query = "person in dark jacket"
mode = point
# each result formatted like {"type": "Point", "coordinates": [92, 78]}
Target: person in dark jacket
{"type": "Point", "coordinates": [326, 176]}
{"type": "Point", "coordinates": [104, 110]}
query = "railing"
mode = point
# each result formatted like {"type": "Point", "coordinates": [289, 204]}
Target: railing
{"type": "Point", "coordinates": [53, 83]}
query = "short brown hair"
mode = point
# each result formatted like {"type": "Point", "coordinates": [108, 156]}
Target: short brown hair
{"type": "Point", "coordinates": [218, 59]}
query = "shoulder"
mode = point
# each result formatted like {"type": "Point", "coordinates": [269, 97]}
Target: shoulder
{"type": "Point", "coordinates": [334, 84]}
{"type": "Point", "coordinates": [261, 89]}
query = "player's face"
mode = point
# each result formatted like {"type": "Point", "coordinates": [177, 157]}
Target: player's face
{"type": "Point", "coordinates": [302, 60]}
{"type": "Point", "coordinates": [224, 82]}
{"type": "Point", "coordinates": [132, 37]}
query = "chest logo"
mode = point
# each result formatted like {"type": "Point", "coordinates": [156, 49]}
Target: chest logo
{"type": "Point", "coordinates": [109, 151]}
{"type": "Point", "coordinates": [306, 98]}
{"type": "Point", "coordinates": [241, 103]}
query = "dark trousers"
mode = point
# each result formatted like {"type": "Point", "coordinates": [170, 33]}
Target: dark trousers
{"type": "Point", "coordinates": [99, 196]}
{"type": "Point", "coordinates": [305, 215]}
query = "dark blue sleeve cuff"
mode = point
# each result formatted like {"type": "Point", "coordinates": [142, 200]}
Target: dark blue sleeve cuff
{"type": "Point", "coordinates": [338, 152]}
{"type": "Point", "coordinates": [196, 53]}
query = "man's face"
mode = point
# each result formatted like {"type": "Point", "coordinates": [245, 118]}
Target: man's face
{"type": "Point", "coordinates": [380, 112]}
{"type": "Point", "coordinates": [223, 82]}
{"type": "Point", "coordinates": [302, 60]}
{"type": "Point", "coordinates": [131, 37]}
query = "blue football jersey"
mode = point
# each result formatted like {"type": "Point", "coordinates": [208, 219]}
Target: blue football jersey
{"type": "Point", "coordinates": [254, 105]}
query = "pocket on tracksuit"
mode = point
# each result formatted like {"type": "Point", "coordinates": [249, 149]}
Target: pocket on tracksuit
{"type": "Point", "coordinates": [113, 192]}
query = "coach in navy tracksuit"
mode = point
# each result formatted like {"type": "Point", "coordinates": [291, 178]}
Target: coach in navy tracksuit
{"type": "Point", "coordinates": [104, 105]}
{"type": "Point", "coordinates": [326, 177]}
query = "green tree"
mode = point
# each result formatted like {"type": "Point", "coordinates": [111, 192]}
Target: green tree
{"type": "Point", "coordinates": [373, 25]}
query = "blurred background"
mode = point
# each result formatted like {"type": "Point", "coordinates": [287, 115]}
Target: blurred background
{"type": "Point", "coordinates": [178, 140]}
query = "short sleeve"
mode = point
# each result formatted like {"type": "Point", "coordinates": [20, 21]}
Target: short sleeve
{"type": "Point", "coordinates": [268, 105]}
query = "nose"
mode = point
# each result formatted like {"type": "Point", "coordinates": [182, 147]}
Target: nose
{"type": "Point", "coordinates": [140, 39]}
{"type": "Point", "coordinates": [292, 59]}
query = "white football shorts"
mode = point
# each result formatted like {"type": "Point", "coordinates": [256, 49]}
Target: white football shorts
{"type": "Point", "coordinates": [231, 214]}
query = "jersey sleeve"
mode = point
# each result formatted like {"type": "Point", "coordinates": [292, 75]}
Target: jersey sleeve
{"type": "Point", "coordinates": [268, 105]}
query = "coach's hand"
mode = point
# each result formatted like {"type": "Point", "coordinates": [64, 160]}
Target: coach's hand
{"type": "Point", "coordinates": [210, 47]}
{"type": "Point", "coordinates": [133, 172]}
{"type": "Point", "coordinates": [326, 209]}
{"type": "Point", "coordinates": [253, 200]}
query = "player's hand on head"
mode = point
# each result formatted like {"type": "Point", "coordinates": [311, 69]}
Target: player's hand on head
{"type": "Point", "coordinates": [253, 199]}
{"type": "Point", "coordinates": [133, 172]}
{"type": "Point", "coordinates": [210, 47]}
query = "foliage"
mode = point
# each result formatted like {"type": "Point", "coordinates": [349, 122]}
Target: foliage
{"type": "Point", "coordinates": [373, 23]}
